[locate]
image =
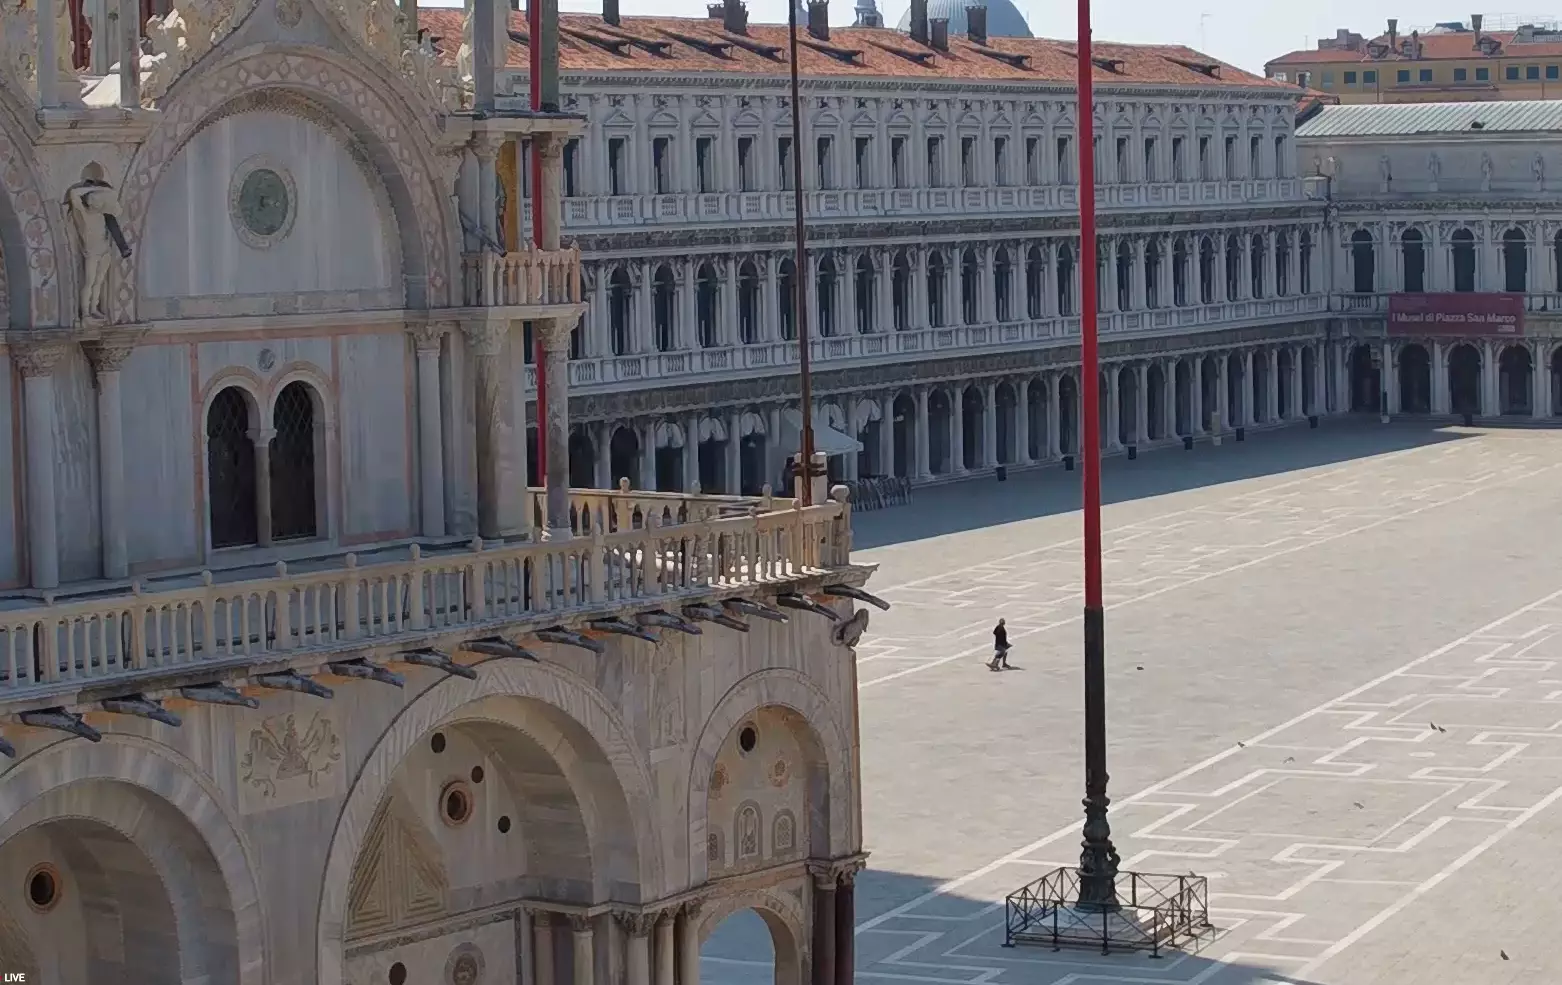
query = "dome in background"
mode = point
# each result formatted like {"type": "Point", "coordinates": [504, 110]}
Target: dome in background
{"type": "Point", "coordinates": [1003, 21]}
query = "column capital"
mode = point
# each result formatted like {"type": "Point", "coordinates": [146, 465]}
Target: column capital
{"type": "Point", "coordinates": [636, 923]}
{"type": "Point", "coordinates": [540, 917]}
{"type": "Point", "coordinates": [486, 145]}
{"type": "Point", "coordinates": [37, 359]}
{"type": "Point", "coordinates": [555, 332]}
{"type": "Point", "coordinates": [691, 909]}
{"type": "Point", "coordinates": [108, 352]}
{"type": "Point", "coordinates": [485, 337]}
{"type": "Point", "coordinates": [579, 923]}
{"type": "Point", "coordinates": [430, 336]}
{"type": "Point", "coordinates": [261, 436]}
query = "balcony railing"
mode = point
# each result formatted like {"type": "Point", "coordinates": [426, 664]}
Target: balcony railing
{"type": "Point", "coordinates": [659, 368]}
{"type": "Point", "coordinates": [61, 647]}
{"type": "Point", "coordinates": [1354, 303]}
{"type": "Point", "coordinates": [723, 207]}
{"type": "Point", "coordinates": [526, 278]}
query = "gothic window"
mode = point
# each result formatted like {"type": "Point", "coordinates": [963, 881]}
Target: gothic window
{"type": "Point", "coordinates": [1002, 276]}
{"type": "Point", "coordinates": [786, 299]}
{"type": "Point", "coordinates": [748, 303]}
{"type": "Point", "coordinates": [783, 835]}
{"type": "Point", "coordinates": [1125, 276]}
{"type": "Point", "coordinates": [705, 295]}
{"type": "Point", "coordinates": [1152, 272]}
{"type": "Point", "coordinates": [826, 289]}
{"type": "Point", "coordinates": [1233, 266]}
{"type": "Point", "coordinates": [1180, 273]}
{"type": "Point", "coordinates": [619, 298]}
{"type": "Point", "coordinates": [746, 840]}
{"type": "Point", "coordinates": [1065, 280]}
{"type": "Point", "coordinates": [1258, 254]}
{"type": "Point", "coordinates": [1515, 262]}
{"type": "Point", "coordinates": [1363, 261]}
{"type": "Point", "coordinates": [713, 853]}
{"type": "Point", "coordinates": [293, 457]}
{"type": "Point", "coordinates": [900, 291]}
{"type": "Point", "coordinates": [664, 308]}
{"type": "Point", "coordinates": [230, 468]}
{"type": "Point", "coordinates": [1464, 260]}
{"type": "Point", "coordinates": [1035, 281]}
{"type": "Point", "coordinates": [935, 289]}
{"type": "Point", "coordinates": [1414, 250]}
{"type": "Point", "coordinates": [1206, 271]}
{"type": "Point", "coordinates": [1282, 264]}
{"type": "Point", "coordinates": [970, 283]}
{"type": "Point", "coordinates": [1304, 259]}
{"type": "Point", "coordinates": [865, 285]}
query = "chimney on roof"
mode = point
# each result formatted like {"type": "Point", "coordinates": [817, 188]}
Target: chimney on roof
{"type": "Point", "coordinates": [1475, 25]}
{"type": "Point", "coordinates": [610, 12]}
{"type": "Point", "coordinates": [1393, 34]}
{"type": "Point", "coordinates": [734, 16]}
{"type": "Point", "coordinates": [976, 23]}
{"type": "Point", "coordinates": [1415, 45]}
{"type": "Point", "coordinates": [919, 21]}
{"type": "Point", "coordinates": [715, 11]}
{"type": "Point", "coordinates": [819, 19]}
{"type": "Point", "coordinates": [938, 30]}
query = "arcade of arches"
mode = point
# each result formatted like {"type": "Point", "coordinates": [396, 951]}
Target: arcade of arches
{"type": "Point", "coordinates": [1478, 377]}
{"type": "Point", "coordinates": [928, 431]}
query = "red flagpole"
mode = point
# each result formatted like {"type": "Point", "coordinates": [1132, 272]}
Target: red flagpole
{"type": "Point", "coordinates": [1098, 859]}
{"type": "Point", "coordinates": [539, 353]}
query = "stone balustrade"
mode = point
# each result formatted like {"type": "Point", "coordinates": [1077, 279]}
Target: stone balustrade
{"type": "Point", "coordinates": [1376, 303]}
{"type": "Point", "coordinates": [625, 509]}
{"type": "Point", "coordinates": [525, 278]}
{"type": "Point", "coordinates": [170, 636]}
{"type": "Point", "coordinates": [919, 203]}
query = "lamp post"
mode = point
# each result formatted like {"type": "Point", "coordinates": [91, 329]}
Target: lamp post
{"type": "Point", "coordinates": [1098, 858]}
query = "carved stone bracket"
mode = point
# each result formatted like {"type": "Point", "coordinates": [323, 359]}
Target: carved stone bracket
{"type": "Point", "coordinates": [38, 359]}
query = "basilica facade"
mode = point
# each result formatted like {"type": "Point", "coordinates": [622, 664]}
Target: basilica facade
{"type": "Point", "coordinates": [307, 675]}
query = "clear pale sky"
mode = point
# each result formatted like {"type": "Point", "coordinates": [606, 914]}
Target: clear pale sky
{"type": "Point", "coordinates": [1245, 33]}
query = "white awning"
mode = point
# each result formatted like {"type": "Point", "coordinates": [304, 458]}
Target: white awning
{"type": "Point", "coordinates": [826, 439]}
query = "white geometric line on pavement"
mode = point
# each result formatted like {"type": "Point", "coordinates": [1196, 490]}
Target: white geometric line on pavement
{"type": "Point", "coordinates": [1151, 791]}
{"type": "Point", "coordinates": [965, 654]}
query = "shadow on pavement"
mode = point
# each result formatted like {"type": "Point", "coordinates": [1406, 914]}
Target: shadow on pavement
{"type": "Point", "coordinates": [968, 948]}
{"type": "Point", "coordinates": [1047, 491]}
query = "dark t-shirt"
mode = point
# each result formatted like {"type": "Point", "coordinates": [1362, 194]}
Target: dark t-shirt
{"type": "Point", "coordinates": [1000, 638]}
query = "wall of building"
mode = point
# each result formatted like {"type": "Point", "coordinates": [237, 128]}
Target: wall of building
{"type": "Point", "coordinates": [12, 517]}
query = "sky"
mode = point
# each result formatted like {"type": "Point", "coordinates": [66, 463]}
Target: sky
{"type": "Point", "coordinates": [1245, 33]}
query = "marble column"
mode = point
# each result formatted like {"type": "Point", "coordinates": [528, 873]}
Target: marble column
{"type": "Point", "coordinates": [261, 438]}
{"type": "Point", "coordinates": [1222, 395]}
{"type": "Point", "coordinates": [691, 453]}
{"type": "Point", "coordinates": [957, 431]}
{"type": "Point", "coordinates": [1247, 405]}
{"type": "Point", "coordinates": [1389, 382]}
{"type": "Point", "coordinates": [689, 945]}
{"type": "Point", "coordinates": [666, 947]}
{"type": "Point", "coordinates": [637, 946]}
{"type": "Point", "coordinates": [550, 197]}
{"type": "Point", "coordinates": [990, 427]}
{"type": "Point", "coordinates": [824, 927]}
{"type": "Point", "coordinates": [732, 471]}
{"type": "Point", "coordinates": [428, 340]}
{"type": "Point", "coordinates": [485, 340]}
{"type": "Point", "coordinates": [486, 147]}
{"type": "Point", "coordinates": [1021, 432]}
{"type": "Point", "coordinates": [922, 465]}
{"type": "Point", "coordinates": [603, 445]}
{"type": "Point", "coordinates": [544, 969]}
{"type": "Point", "coordinates": [1113, 415]}
{"type": "Point", "coordinates": [129, 57]}
{"type": "Point", "coordinates": [1320, 385]}
{"type": "Point", "coordinates": [1054, 421]}
{"type": "Point", "coordinates": [648, 457]}
{"type": "Point", "coordinates": [43, 542]}
{"type": "Point", "coordinates": [1142, 404]}
{"type": "Point", "coordinates": [555, 333]}
{"type": "Point", "coordinates": [1272, 385]}
{"type": "Point", "coordinates": [583, 937]}
{"type": "Point", "coordinates": [1295, 409]}
{"type": "Point", "coordinates": [886, 461]}
{"type": "Point", "coordinates": [845, 928]}
{"type": "Point", "coordinates": [107, 358]}
{"type": "Point", "coordinates": [1169, 398]}
{"type": "Point", "coordinates": [1196, 396]}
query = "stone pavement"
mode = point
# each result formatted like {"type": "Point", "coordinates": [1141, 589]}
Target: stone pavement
{"type": "Point", "coordinates": [1319, 597]}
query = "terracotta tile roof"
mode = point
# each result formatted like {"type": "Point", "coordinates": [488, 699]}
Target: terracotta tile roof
{"type": "Point", "coordinates": [685, 44]}
{"type": "Point", "coordinates": [1434, 47]}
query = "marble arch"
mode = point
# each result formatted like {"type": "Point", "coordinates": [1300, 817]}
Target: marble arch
{"type": "Point", "coordinates": [774, 688]}
{"type": "Point", "coordinates": [783, 916]}
{"type": "Point", "coordinates": [28, 238]}
{"type": "Point", "coordinates": [69, 767]}
{"type": "Point", "coordinates": [395, 138]}
{"type": "Point", "coordinates": [566, 697]}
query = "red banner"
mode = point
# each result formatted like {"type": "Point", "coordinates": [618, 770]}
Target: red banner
{"type": "Point", "coordinates": [1458, 313]}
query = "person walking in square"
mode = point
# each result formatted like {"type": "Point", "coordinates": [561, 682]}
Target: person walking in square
{"type": "Point", "coordinates": [1000, 660]}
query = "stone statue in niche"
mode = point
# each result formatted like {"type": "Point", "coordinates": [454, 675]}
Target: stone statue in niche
{"type": "Point", "coordinates": [1486, 170]}
{"type": "Point", "coordinates": [1434, 169]}
{"type": "Point", "coordinates": [748, 832]}
{"type": "Point", "coordinates": [95, 209]}
{"type": "Point", "coordinates": [1385, 175]}
{"type": "Point", "coordinates": [1538, 168]}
